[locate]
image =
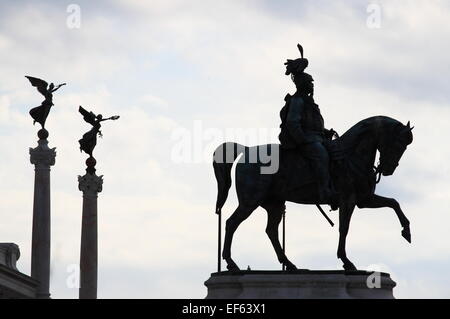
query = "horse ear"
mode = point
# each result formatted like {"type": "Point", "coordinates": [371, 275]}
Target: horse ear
{"type": "Point", "coordinates": [407, 134]}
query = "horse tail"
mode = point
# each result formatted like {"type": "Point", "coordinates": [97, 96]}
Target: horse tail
{"type": "Point", "coordinates": [224, 157]}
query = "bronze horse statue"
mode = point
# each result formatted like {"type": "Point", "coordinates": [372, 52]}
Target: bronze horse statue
{"type": "Point", "coordinates": [353, 176]}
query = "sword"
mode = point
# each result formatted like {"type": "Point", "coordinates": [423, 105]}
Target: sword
{"type": "Point", "coordinates": [325, 215]}
{"type": "Point", "coordinates": [283, 267]}
{"type": "Point", "coordinates": [219, 242]}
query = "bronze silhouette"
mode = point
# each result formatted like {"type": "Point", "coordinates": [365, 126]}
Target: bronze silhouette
{"type": "Point", "coordinates": [89, 140]}
{"type": "Point", "coordinates": [302, 126]}
{"type": "Point", "coordinates": [348, 180]}
{"type": "Point", "coordinates": [40, 113]}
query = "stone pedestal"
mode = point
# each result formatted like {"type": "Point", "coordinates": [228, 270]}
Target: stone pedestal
{"type": "Point", "coordinates": [90, 185]}
{"type": "Point", "coordinates": [42, 157]}
{"type": "Point", "coordinates": [9, 254]}
{"type": "Point", "coordinates": [302, 284]}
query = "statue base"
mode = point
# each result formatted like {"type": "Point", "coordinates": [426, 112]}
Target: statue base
{"type": "Point", "coordinates": [301, 284]}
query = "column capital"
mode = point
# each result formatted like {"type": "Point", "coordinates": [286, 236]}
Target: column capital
{"type": "Point", "coordinates": [90, 184]}
{"type": "Point", "coordinates": [42, 156]}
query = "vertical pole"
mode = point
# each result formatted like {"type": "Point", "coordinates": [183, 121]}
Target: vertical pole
{"type": "Point", "coordinates": [42, 157]}
{"type": "Point", "coordinates": [219, 241]}
{"type": "Point", "coordinates": [90, 185]}
{"type": "Point", "coordinates": [284, 238]}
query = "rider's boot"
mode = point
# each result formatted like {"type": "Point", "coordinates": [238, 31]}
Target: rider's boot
{"type": "Point", "coordinates": [326, 193]}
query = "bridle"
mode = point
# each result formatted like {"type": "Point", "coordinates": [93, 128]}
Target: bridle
{"type": "Point", "coordinates": [377, 172]}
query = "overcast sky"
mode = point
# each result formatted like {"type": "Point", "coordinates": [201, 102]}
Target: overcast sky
{"type": "Point", "coordinates": [178, 71]}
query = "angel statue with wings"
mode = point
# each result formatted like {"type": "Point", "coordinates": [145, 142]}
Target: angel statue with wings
{"type": "Point", "coordinates": [89, 140]}
{"type": "Point", "coordinates": [40, 113]}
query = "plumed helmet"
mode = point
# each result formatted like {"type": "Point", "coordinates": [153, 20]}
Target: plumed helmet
{"type": "Point", "coordinates": [298, 65]}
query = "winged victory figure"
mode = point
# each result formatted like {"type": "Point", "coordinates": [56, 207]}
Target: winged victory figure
{"type": "Point", "coordinates": [40, 113]}
{"type": "Point", "coordinates": [89, 140]}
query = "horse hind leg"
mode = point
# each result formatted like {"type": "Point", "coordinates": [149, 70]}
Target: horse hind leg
{"type": "Point", "coordinates": [275, 213]}
{"type": "Point", "coordinates": [239, 215]}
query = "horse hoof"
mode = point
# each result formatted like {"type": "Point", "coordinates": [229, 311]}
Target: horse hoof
{"type": "Point", "coordinates": [349, 267]}
{"type": "Point", "coordinates": [290, 267]}
{"type": "Point", "coordinates": [233, 267]}
{"type": "Point", "coordinates": [406, 233]}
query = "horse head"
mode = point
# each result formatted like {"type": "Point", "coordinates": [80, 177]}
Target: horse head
{"type": "Point", "coordinates": [392, 144]}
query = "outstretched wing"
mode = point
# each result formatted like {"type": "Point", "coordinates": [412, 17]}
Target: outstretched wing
{"type": "Point", "coordinates": [87, 116]}
{"type": "Point", "coordinates": [41, 85]}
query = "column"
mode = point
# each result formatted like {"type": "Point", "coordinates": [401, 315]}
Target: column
{"type": "Point", "coordinates": [42, 157]}
{"type": "Point", "coordinates": [90, 184]}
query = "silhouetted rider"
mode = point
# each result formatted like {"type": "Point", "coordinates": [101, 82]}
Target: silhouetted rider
{"type": "Point", "coordinates": [302, 126]}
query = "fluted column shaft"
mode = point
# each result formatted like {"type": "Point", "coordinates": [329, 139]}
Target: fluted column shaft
{"type": "Point", "coordinates": [42, 157]}
{"type": "Point", "coordinates": [90, 185]}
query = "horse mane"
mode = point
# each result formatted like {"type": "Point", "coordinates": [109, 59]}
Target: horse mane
{"type": "Point", "coordinates": [370, 125]}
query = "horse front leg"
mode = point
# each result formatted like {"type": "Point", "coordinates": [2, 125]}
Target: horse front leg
{"type": "Point", "coordinates": [345, 214]}
{"type": "Point", "coordinates": [377, 201]}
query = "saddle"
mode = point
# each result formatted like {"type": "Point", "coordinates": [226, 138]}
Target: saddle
{"type": "Point", "coordinates": [296, 170]}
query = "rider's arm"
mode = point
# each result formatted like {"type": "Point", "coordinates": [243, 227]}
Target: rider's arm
{"type": "Point", "coordinates": [329, 134]}
{"type": "Point", "coordinates": [293, 120]}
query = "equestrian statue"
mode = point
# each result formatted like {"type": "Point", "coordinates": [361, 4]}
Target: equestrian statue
{"type": "Point", "coordinates": [315, 167]}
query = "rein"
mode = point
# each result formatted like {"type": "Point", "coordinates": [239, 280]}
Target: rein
{"type": "Point", "coordinates": [377, 172]}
